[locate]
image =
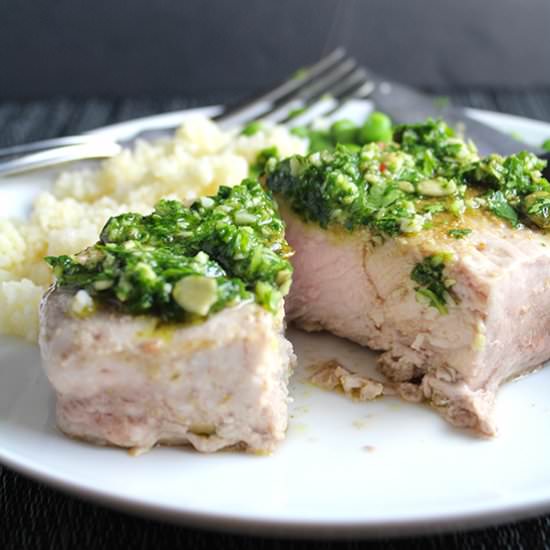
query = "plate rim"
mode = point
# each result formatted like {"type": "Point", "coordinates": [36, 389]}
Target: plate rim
{"type": "Point", "coordinates": [284, 527]}
{"type": "Point", "coordinates": [444, 523]}
{"type": "Point", "coordinates": [431, 524]}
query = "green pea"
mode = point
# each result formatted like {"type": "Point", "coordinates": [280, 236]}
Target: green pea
{"type": "Point", "coordinates": [252, 128]}
{"type": "Point", "coordinates": [343, 131]}
{"type": "Point", "coordinates": [300, 131]}
{"type": "Point", "coordinates": [377, 127]}
{"type": "Point", "coordinates": [319, 141]}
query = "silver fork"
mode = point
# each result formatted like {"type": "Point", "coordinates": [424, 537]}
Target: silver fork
{"type": "Point", "coordinates": [336, 76]}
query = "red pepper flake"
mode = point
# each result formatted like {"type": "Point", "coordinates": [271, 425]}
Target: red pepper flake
{"type": "Point", "coordinates": [382, 167]}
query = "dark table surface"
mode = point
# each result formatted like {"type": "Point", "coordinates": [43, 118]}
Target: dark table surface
{"type": "Point", "coordinates": [35, 516]}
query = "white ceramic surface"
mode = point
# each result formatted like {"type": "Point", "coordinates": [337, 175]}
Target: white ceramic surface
{"type": "Point", "coordinates": [346, 468]}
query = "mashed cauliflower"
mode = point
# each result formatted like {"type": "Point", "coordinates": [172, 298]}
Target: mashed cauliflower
{"type": "Point", "coordinates": [195, 162]}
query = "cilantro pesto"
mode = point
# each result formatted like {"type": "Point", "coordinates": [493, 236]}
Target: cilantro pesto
{"type": "Point", "coordinates": [424, 174]}
{"type": "Point", "coordinates": [517, 188]}
{"type": "Point", "coordinates": [183, 263]}
{"type": "Point", "coordinates": [433, 288]}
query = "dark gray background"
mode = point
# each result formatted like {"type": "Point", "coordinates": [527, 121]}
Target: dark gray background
{"type": "Point", "coordinates": [194, 47]}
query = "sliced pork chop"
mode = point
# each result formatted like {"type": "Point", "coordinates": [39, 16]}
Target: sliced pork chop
{"type": "Point", "coordinates": [497, 328]}
{"type": "Point", "coordinates": [122, 380]}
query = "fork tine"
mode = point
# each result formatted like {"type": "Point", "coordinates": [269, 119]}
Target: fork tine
{"type": "Point", "coordinates": [352, 84]}
{"type": "Point", "coordinates": [339, 93]}
{"type": "Point", "coordinates": [252, 109]}
{"type": "Point", "coordinates": [360, 91]}
{"type": "Point", "coordinates": [356, 86]}
{"type": "Point", "coordinates": [316, 90]}
{"type": "Point", "coordinates": [334, 74]}
{"type": "Point", "coordinates": [340, 86]}
{"type": "Point", "coordinates": [247, 110]}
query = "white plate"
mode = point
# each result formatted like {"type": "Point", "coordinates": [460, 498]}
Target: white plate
{"type": "Point", "coordinates": [346, 468]}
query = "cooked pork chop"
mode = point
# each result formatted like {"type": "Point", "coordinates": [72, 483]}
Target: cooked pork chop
{"type": "Point", "coordinates": [123, 380]}
{"type": "Point", "coordinates": [170, 328]}
{"type": "Point", "coordinates": [496, 328]}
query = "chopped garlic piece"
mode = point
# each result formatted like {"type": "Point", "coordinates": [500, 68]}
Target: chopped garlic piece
{"type": "Point", "coordinates": [82, 304]}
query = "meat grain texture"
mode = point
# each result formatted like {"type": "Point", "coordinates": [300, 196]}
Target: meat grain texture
{"type": "Point", "coordinates": [497, 329]}
{"type": "Point", "coordinates": [122, 380]}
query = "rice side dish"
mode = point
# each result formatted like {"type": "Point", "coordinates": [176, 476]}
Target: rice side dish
{"type": "Point", "coordinates": [195, 162]}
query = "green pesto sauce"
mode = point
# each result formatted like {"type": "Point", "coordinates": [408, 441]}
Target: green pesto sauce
{"type": "Point", "coordinates": [517, 190]}
{"type": "Point", "coordinates": [403, 186]}
{"type": "Point", "coordinates": [433, 288]}
{"type": "Point", "coordinates": [184, 263]}
{"type": "Point", "coordinates": [458, 233]}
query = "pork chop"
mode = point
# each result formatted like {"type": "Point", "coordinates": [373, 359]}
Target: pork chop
{"type": "Point", "coordinates": [125, 380]}
{"type": "Point", "coordinates": [423, 250]}
{"type": "Point", "coordinates": [496, 329]}
{"type": "Point", "coordinates": [170, 328]}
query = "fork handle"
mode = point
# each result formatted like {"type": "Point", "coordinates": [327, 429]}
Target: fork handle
{"type": "Point", "coordinates": [94, 149]}
{"type": "Point", "coordinates": [43, 144]}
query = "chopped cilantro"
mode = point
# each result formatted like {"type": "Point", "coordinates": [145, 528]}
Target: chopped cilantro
{"type": "Point", "coordinates": [434, 208]}
{"type": "Point", "coordinates": [391, 187]}
{"type": "Point", "coordinates": [183, 263]}
{"type": "Point", "coordinates": [458, 233]}
{"type": "Point", "coordinates": [262, 159]}
{"type": "Point", "coordinates": [378, 186]}
{"type": "Point", "coordinates": [516, 175]}
{"type": "Point", "coordinates": [432, 288]}
{"type": "Point", "coordinates": [499, 206]}
{"type": "Point", "coordinates": [510, 179]}
{"type": "Point", "coordinates": [537, 208]}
